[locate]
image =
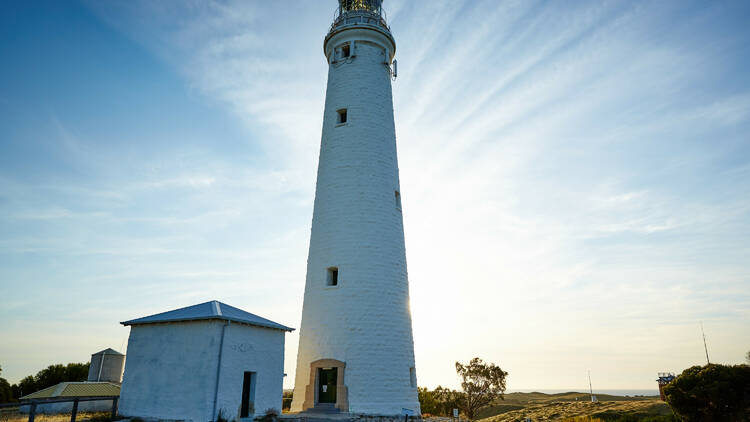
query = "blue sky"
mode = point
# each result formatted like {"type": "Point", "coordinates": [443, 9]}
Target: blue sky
{"type": "Point", "coordinates": [575, 177]}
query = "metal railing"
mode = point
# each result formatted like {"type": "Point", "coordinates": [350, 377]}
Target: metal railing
{"type": "Point", "coordinates": [342, 17]}
{"type": "Point", "coordinates": [374, 6]}
{"type": "Point", "coordinates": [35, 402]}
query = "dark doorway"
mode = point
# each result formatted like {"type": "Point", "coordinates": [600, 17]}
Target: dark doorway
{"type": "Point", "coordinates": [248, 395]}
{"type": "Point", "coordinates": [327, 385]}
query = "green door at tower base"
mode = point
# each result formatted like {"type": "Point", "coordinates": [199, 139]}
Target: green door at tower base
{"type": "Point", "coordinates": [327, 385]}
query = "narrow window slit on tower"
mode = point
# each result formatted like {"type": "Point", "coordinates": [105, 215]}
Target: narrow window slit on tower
{"type": "Point", "coordinates": [413, 377]}
{"type": "Point", "coordinates": [342, 116]}
{"type": "Point", "coordinates": [333, 276]}
{"type": "Point", "coordinates": [345, 50]}
{"type": "Point", "coordinates": [398, 200]}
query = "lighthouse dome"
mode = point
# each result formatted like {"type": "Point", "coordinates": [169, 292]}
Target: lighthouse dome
{"type": "Point", "coordinates": [373, 6]}
{"type": "Point", "coordinates": [360, 12]}
{"type": "Point", "coordinates": [362, 20]}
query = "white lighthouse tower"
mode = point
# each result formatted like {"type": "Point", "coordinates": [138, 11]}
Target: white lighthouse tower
{"type": "Point", "coordinates": [356, 352]}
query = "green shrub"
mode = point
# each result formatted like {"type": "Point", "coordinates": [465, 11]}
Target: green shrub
{"type": "Point", "coordinates": [440, 401]}
{"type": "Point", "coordinates": [220, 417]}
{"type": "Point", "coordinates": [270, 415]}
{"type": "Point", "coordinates": [711, 393]}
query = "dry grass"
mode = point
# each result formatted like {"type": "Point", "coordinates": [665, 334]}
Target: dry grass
{"type": "Point", "coordinates": [16, 416]}
{"type": "Point", "coordinates": [553, 411]}
{"type": "Point", "coordinates": [516, 401]}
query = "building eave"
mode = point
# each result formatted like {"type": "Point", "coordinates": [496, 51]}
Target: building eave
{"type": "Point", "coordinates": [135, 322]}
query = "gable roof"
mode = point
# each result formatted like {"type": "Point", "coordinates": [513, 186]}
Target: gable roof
{"type": "Point", "coordinates": [207, 311]}
{"type": "Point", "coordinates": [76, 389]}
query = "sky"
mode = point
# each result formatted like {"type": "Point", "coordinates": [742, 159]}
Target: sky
{"type": "Point", "coordinates": [575, 177]}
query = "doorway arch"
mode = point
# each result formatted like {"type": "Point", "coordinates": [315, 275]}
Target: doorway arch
{"type": "Point", "coordinates": [311, 390]}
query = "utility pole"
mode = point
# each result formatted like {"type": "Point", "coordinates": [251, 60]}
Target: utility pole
{"type": "Point", "coordinates": [704, 344]}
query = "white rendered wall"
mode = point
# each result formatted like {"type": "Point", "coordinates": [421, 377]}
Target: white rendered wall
{"type": "Point", "coordinates": [364, 321]}
{"type": "Point", "coordinates": [170, 372]}
{"type": "Point", "coordinates": [252, 349]}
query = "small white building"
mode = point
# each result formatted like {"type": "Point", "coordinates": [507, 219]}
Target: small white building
{"type": "Point", "coordinates": [195, 362]}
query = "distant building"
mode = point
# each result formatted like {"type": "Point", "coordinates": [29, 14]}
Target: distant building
{"type": "Point", "coordinates": [105, 374]}
{"type": "Point", "coordinates": [107, 365]}
{"type": "Point", "coordinates": [73, 389]}
{"type": "Point", "coordinates": [196, 362]}
{"type": "Point", "coordinates": [664, 379]}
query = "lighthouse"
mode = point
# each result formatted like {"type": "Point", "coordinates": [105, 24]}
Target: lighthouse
{"type": "Point", "coordinates": [356, 351]}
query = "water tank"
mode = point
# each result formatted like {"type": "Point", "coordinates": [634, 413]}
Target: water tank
{"type": "Point", "coordinates": [106, 365]}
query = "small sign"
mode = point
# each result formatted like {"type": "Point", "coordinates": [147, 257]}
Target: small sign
{"type": "Point", "coordinates": [325, 388]}
{"type": "Point", "coordinates": [407, 412]}
{"type": "Point", "coordinates": [455, 413]}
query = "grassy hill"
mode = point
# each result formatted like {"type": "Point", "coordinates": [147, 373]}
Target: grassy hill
{"type": "Point", "coordinates": [548, 407]}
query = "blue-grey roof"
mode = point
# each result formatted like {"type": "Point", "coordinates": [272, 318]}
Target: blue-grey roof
{"type": "Point", "coordinates": [209, 310]}
{"type": "Point", "coordinates": [108, 351]}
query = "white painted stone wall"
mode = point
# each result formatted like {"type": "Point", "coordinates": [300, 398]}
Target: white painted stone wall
{"type": "Point", "coordinates": [357, 226]}
{"type": "Point", "coordinates": [256, 349]}
{"type": "Point", "coordinates": [171, 372]}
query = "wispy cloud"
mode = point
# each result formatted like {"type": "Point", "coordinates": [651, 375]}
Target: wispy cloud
{"type": "Point", "coordinates": [574, 177]}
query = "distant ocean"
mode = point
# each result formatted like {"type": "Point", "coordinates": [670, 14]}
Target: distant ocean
{"type": "Point", "coordinates": [631, 393]}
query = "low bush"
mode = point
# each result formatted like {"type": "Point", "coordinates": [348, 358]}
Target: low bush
{"type": "Point", "coordinates": [711, 393]}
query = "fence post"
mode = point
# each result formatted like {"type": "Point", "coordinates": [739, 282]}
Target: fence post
{"type": "Point", "coordinates": [74, 411]}
{"type": "Point", "coordinates": [114, 406]}
{"type": "Point", "coordinates": [32, 411]}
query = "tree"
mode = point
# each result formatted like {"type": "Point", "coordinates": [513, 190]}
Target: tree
{"type": "Point", "coordinates": [49, 376]}
{"type": "Point", "coordinates": [55, 374]}
{"type": "Point", "coordinates": [26, 386]}
{"type": "Point", "coordinates": [448, 400]}
{"type": "Point", "coordinates": [711, 393]}
{"type": "Point", "coordinates": [482, 384]}
{"type": "Point", "coordinates": [6, 392]}
{"type": "Point", "coordinates": [427, 402]}
{"type": "Point", "coordinates": [439, 402]}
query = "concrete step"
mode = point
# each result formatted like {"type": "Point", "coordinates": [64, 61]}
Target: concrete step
{"type": "Point", "coordinates": [324, 408]}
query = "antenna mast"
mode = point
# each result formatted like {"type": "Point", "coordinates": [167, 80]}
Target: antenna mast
{"type": "Point", "coordinates": [704, 343]}
{"type": "Point", "coordinates": [591, 390]}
